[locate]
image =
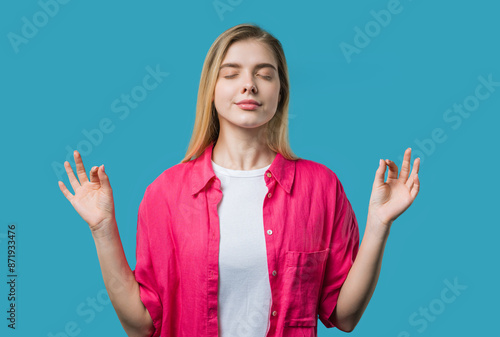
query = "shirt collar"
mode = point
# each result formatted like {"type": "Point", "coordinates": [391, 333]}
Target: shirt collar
{"type": "Point", "coordinates": [202, 171]}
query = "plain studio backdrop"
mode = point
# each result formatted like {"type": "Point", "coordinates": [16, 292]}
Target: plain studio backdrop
{"type": "Point", "coordinates": [368, 79]}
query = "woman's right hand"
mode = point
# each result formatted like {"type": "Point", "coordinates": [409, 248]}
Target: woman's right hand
{"type": "Point", "coordinates": [93, 199]}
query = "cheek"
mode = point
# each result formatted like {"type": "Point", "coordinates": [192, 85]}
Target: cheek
{"type": "Point", "coordinates": [222, 93]}
{"type": "Point", "coordinates": [275, 90]}
{"type": "Point", "coordinates": [223, 99]}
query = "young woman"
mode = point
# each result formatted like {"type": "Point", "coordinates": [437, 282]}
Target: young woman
{"type": "Point", "coordinates": [242, 237]}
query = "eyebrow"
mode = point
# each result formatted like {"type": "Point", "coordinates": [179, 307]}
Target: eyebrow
{"type": "Point", "coordinates": [258, 66]}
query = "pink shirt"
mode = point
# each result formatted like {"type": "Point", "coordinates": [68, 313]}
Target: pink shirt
{"type": "Point", "coordinates": [312, 239]}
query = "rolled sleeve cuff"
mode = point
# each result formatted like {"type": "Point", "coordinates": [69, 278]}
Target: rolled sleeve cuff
{"type": "Point", "coordinates": [153, 305]}
{"type": "Point", "coordinates": [329, 302]}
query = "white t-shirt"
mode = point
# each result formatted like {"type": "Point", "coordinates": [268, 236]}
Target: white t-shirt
{"type": "Point", "coordinates": [244, 289]}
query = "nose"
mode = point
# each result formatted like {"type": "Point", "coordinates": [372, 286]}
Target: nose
{"type": "Point", "coordinates": [249, 85]}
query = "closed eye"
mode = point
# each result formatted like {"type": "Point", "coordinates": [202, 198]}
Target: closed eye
{"type": "Point", "coordinates": [266, 77]}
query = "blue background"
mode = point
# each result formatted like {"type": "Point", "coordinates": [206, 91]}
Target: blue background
{"type": "Point", "coordinates": [345, 112]}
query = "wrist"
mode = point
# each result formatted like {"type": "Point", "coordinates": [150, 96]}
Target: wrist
{"type": "Point", "coordinates": [104, 229]}
{"type": "Point", "coordinates": [376, 226]}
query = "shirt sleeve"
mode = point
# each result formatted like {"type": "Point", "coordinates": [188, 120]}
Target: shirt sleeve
{"type": "Point", "coordinates": [144, 272]}
{"type": "Point", "coordinates": [343, 250]}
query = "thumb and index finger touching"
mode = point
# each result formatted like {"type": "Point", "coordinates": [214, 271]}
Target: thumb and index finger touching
{"type": "Point", "coordinates": [380, 174]}
{"type": "Point", "coordinates": [412, 181]}
{"type": "Point", "coordinates": [97, 175]}
{"type": "Point", "coordinates": [391, 175]}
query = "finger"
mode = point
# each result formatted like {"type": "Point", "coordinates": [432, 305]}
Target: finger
{"type": "Point", "coordinates": [104, 179]}
{"type": "Point", "coordinates": [65, 191]}
{"type": "Point", "coordinates": [405, 167]}
{"type": "Point", "coordinates": [94, 178]}
{"type": "Point", "coordinates": [393, 170]}
{"type": "Point", "coordinates": [72, 179]}
{"type": "Point", "coordinates": [416, 166]}
{"type": "Point", "coordinates": [379, 174]}
{"type": "Point", "coordinates": [416, 187]}
{"type": "Point", "coordinates": [80, 169]}
{"type": "Point", "coordinates": [409, 182]}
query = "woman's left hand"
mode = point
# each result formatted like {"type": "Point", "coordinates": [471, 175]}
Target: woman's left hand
{"type": "Point", "coordinates": [390, 199]}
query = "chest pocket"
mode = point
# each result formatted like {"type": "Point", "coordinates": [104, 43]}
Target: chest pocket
{"type": "Point", "coordinates": [303, 279]}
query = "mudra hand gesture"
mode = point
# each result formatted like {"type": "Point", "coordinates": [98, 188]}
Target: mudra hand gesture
{"type": "Point", "coordinates": [391, 198]}
{"type": "Point", "coordinates": [93, 199]}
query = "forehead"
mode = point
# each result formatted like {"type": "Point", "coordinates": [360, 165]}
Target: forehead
{"type": "Point", "coordinates": [249, 53]}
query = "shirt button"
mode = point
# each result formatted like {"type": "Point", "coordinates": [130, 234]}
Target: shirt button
{"type": "Point", "coordinates": [275, 313]}
{"type": "Point", "coordinates": [269, 232]}
{"type": "Point", "coordinates": [274, 272]}
{"type": "Point", "coordinates": [269, 195]}
{"type": "Point", "coordinates": [268, 174]}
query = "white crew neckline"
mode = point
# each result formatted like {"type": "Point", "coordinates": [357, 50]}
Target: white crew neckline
{"type": "Point", "coordinates": [239, 173]}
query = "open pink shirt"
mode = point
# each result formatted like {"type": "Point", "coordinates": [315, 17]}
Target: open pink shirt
{"type": "Point", "coordinates": [311, 233]}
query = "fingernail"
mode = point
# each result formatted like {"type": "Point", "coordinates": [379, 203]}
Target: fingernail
{"type": "Point", "coordinates": [103, 168]}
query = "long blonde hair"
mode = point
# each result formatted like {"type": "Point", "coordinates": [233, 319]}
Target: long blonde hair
{"type": "Point", "coordinates": [206, 124]}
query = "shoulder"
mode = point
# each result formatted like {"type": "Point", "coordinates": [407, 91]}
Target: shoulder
{"type": "Point", "coordinates": [312, 175]}
{"type": "Point", "coordinates": [321, 173]}
{"type": "Point", "coordinates": [170, 180]}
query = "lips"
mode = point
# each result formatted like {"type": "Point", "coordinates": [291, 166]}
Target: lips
{"type": "Point", "coordinates": [248, 105]}
{"type": "Point", "coordinates": [248, 101]}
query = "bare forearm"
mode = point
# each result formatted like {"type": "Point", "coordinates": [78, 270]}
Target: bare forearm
{"type": "Point", "coordinates": [122, 288]}
{"type": "Point", "coordinates": [361, 281]}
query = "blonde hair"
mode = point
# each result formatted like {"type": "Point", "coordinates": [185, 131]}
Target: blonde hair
{"type": "Point", "coordinates": [206, 124]}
